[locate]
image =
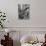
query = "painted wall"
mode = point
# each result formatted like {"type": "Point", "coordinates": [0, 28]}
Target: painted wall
{"type": "Point", "coordinates": [37, 13]}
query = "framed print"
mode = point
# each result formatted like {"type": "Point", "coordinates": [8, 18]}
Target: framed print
{"type": "Point", "coordinates": [24, 14]}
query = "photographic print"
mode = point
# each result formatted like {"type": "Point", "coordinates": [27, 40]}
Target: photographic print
{"type": "Point", "coordinates": [23, 11]}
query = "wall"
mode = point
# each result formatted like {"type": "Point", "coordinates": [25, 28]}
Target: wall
{"type": "Point", "coordinates": [38, 13]}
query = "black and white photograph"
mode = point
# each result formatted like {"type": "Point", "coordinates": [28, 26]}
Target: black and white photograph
{"type": "Point", "coordinates": [23, 11]}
